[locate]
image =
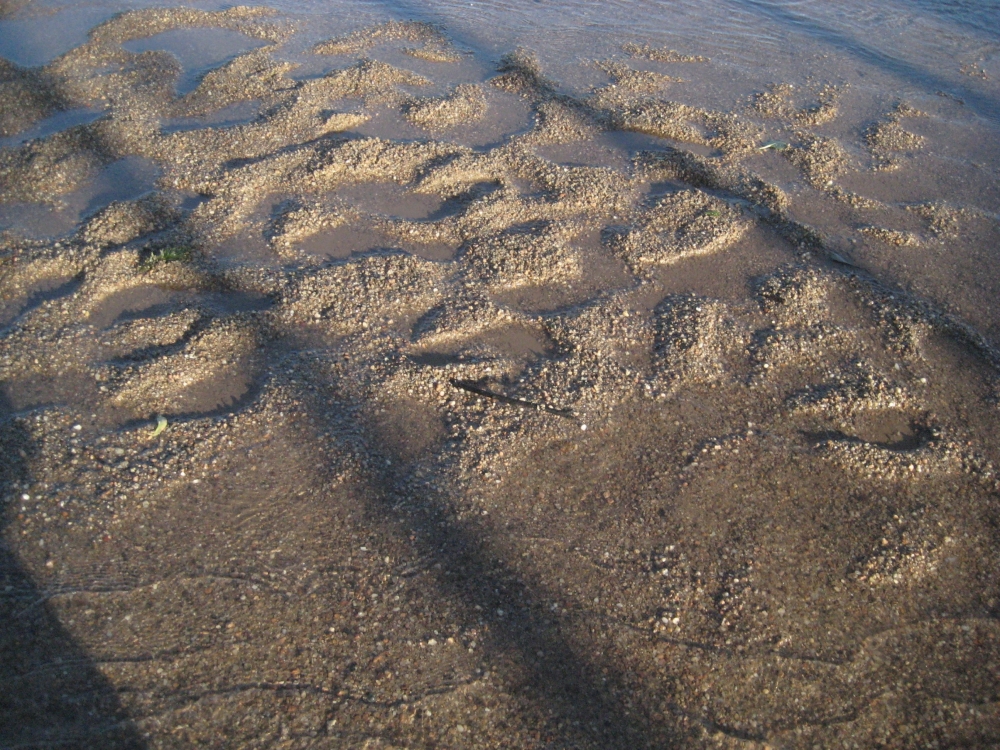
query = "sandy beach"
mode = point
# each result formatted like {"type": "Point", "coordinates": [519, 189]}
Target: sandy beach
{"type": "Point", "coordinates": [379, 391]}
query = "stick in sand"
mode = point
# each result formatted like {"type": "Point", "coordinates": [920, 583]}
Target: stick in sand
{"type": "Point", "coordinates": [467, 385]}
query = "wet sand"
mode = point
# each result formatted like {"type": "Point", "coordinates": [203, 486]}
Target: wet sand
{"type": "Point", "coordinates": [739, 489]}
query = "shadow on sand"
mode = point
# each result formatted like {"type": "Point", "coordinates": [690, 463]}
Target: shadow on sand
{"type": "Point", "coordinates": [51, 693]}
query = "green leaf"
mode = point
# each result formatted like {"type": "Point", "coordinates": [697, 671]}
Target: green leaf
{"type": "Point", "coordinates": [161, 425]}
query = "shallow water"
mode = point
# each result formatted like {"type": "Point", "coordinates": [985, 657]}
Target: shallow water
{"type": "Point", "coordinates": [54, 124]}
{"type": "Point", "coordinates": [240, 113]}
{"type": "Point", "coordinates": [343, 241]}
{"type": "Point", "coordinates": [197, 50]}
{"type": "Point", "coordinates": [919, 46]}
{"type": "Point", "coordinates": [37, 35]}
{"type": "Point", "coordinates": [124, 179]}
{"type": "Point", "coordinates": [919, 42]}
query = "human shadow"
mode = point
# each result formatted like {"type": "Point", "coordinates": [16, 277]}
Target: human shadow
{"type": "Point", "coordinates": [51, 692]}
{"type": "Point", "coordinates": [585, 702]}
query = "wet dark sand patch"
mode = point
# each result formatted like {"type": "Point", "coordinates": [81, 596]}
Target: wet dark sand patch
{"type": "Point", "coordinates": [968, 184]}
{"type": "Point", "coordinates": [52, 391]}
{"type": "Point", "coordinates": [124, 179]}
{"type": "Point", "coordinates": [507, 342]}
{"type": "Point", "coordinates": [614, 150]}
{"type": "Point", "coordinates": [53, 124]}
{"type": "Point", "coordinates": [197, 50]}
{"type": "Point", "coordinates": [601, 271]}
{"type": "Point", "coordinates": [409, 429]}
{"type": "Point", "coordinates": [41, 290]}
{"type": "Point", "coordinates": [37, 40]}
{"type": "Point", "coordinates": [895, 430]}
{"type": "Point", "coordinates": [728, 276]}
{"type": "Point", "coordinates": [129, 301]}
{"type": "Point", "coordinates": [506, 116]}
{"type": "Point", "coordinates": [393, 200]}
{"type": "Point", "coordinates": [245, 249]}
{"type": "Point", "coordinates": [241, 113]}
{"type": "Point", "coordinates": [346, 240]}
{"type": "Point", "coordinates": [143, 300]}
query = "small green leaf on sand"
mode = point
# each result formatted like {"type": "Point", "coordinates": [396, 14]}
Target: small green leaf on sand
{"type": "Point", "coordinates": [161, 425]}
{"type": "Point", "coordinates": [172, 254]}
{"type": "Point", "coordinates": [775, 145]}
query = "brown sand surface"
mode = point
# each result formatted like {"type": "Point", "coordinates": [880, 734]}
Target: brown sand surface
{"type": "Point", "coordinates": [740, 489]}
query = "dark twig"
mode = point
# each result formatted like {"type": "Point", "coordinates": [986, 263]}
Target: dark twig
{"type": "Point", "coordinates": [467, 385]}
